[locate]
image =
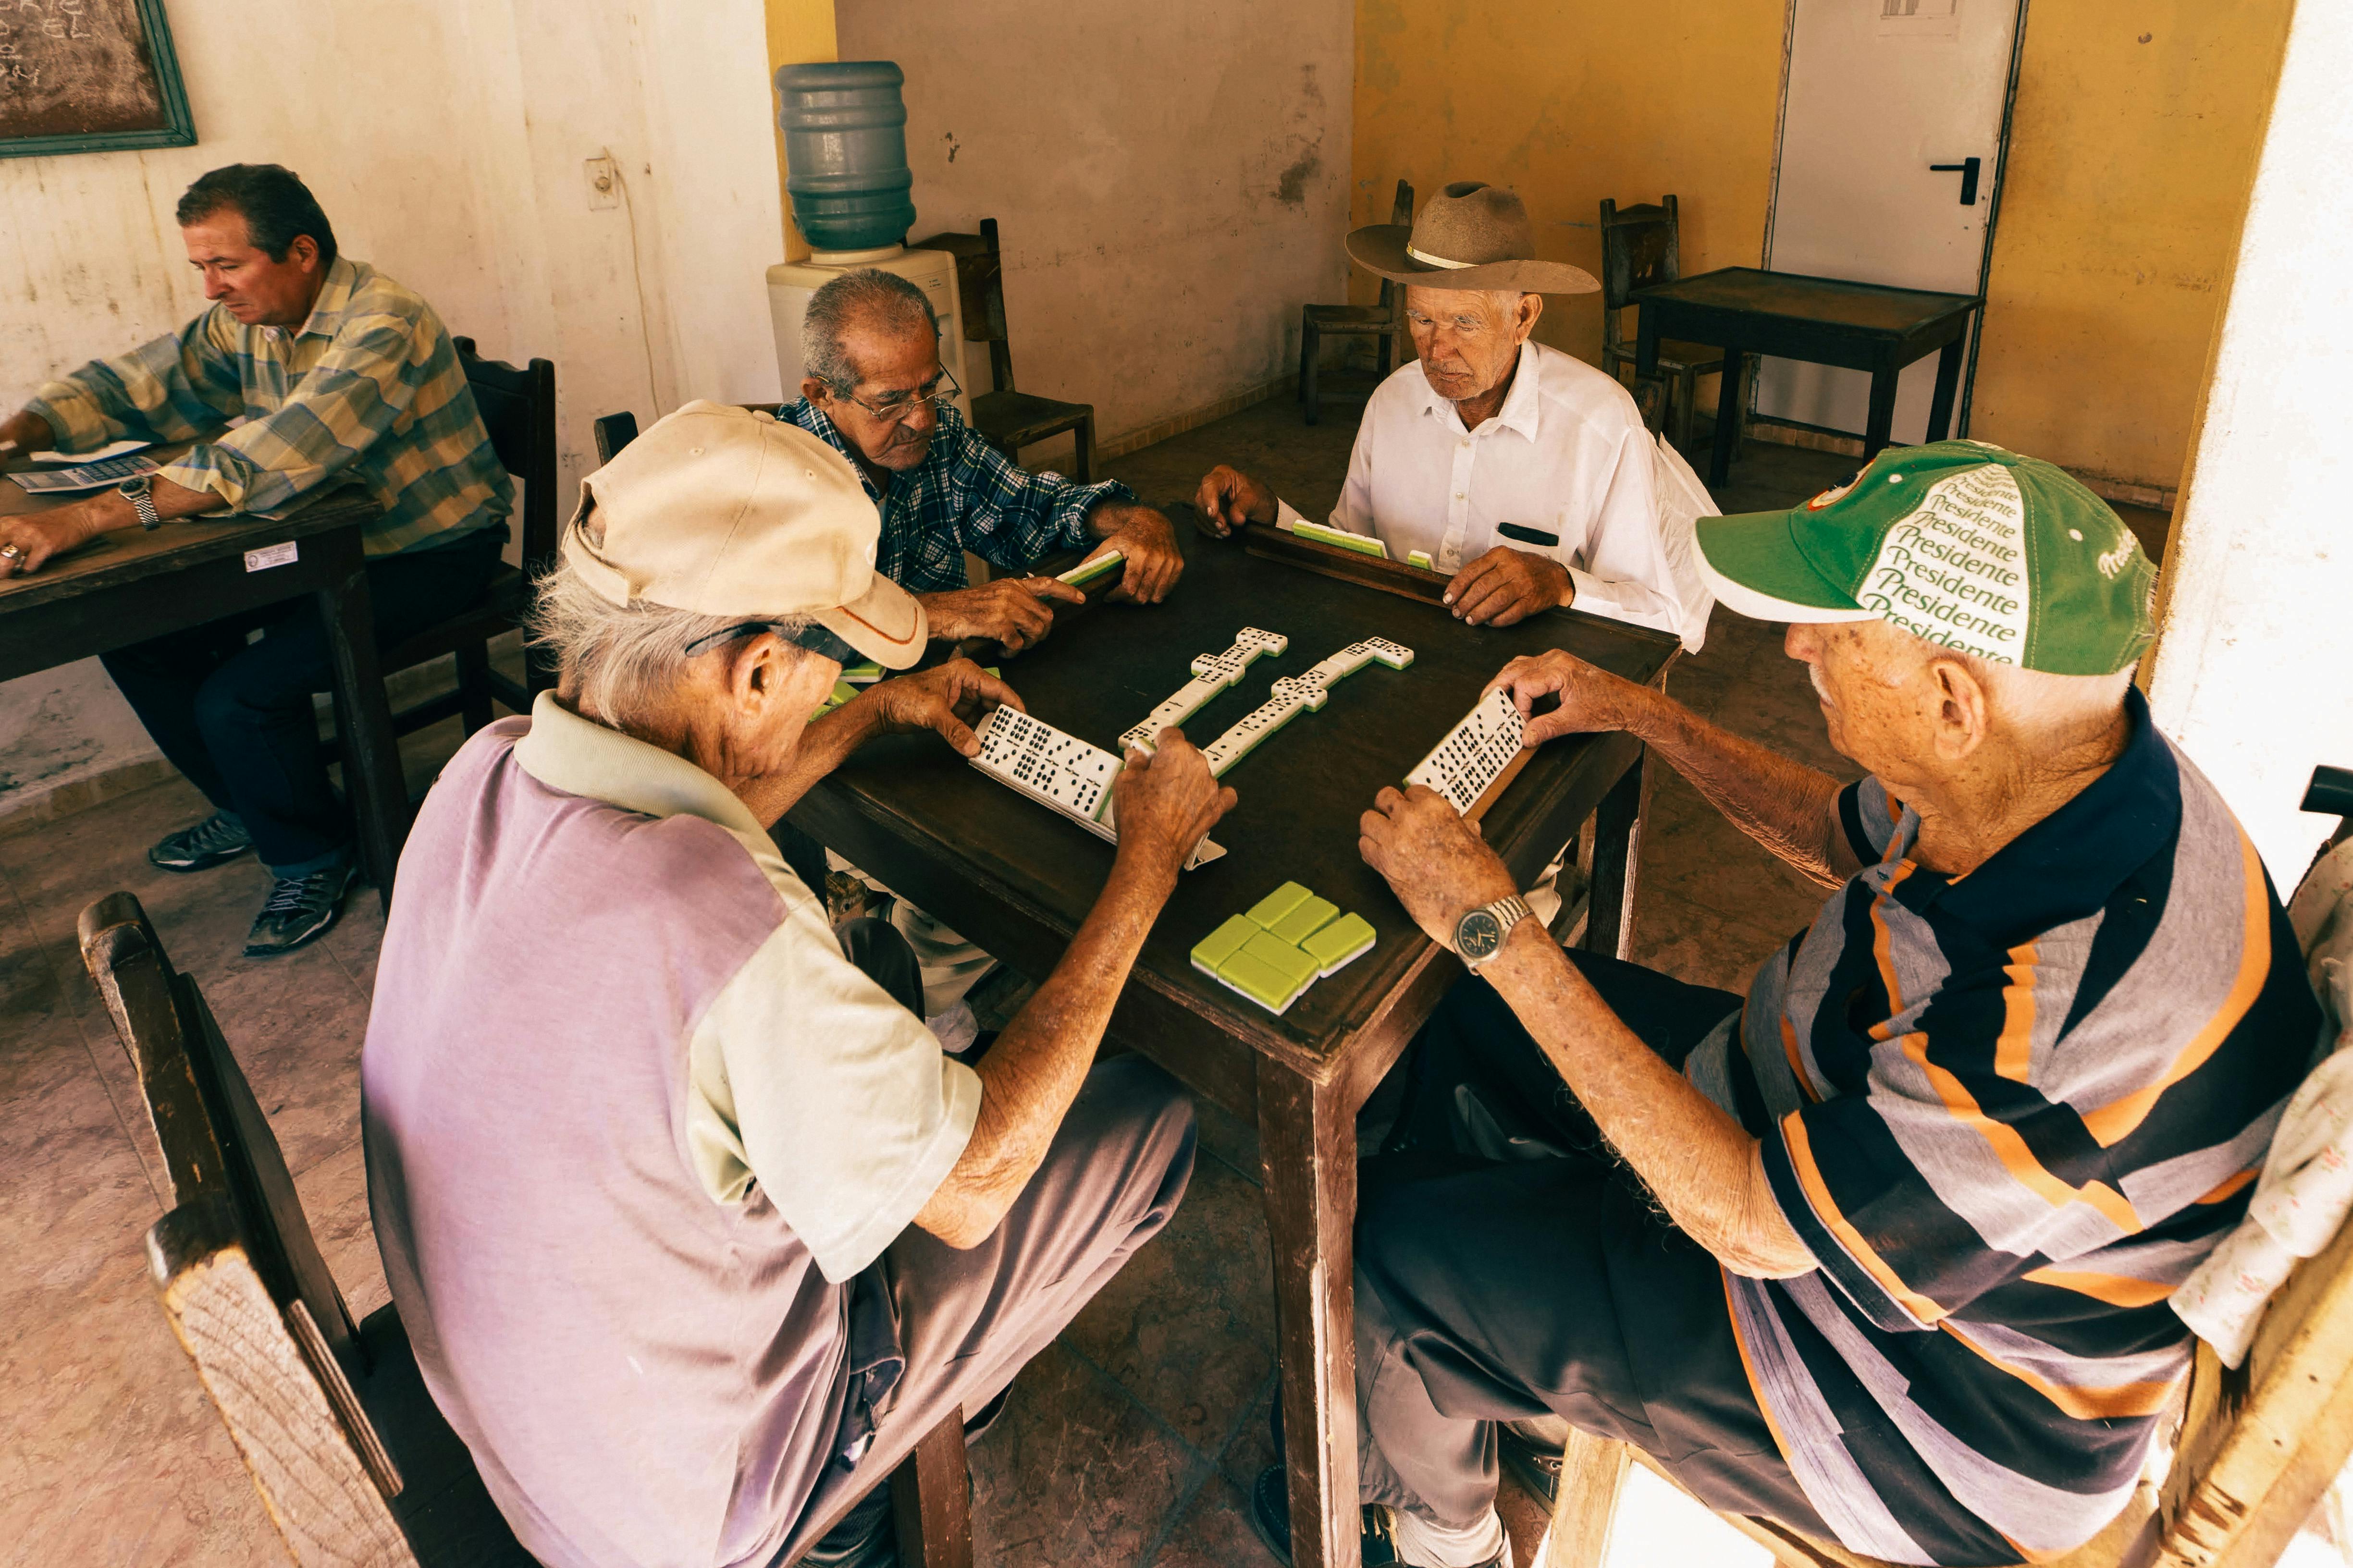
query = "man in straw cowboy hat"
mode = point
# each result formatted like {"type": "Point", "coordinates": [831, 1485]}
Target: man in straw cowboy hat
{"type": "Point", "coordinates": [1524, 473]}
{"type": "Point", "coordinates": [1883, 1249]}
{"type": "Point", "coordinates": [693, 1226]}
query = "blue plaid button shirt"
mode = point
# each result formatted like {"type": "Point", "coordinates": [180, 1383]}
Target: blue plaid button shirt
{"type": "Point", "coordinates": [964, 496]}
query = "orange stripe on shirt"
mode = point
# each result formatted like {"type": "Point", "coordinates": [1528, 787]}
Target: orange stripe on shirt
{"type": "Point", "coordinates": [2094, 1404]}
{"type": "Point", "coordinates": [1797, 1064]}
{"type": "Point", "coordinates": [2230, 1184]}
{"type": "Point", "coordinates": [2013, 1054]}
{"type": "Point", "coordinates": [2011, 1149]}
{"type": "Point", "coordinates": [1826, 1209]}
{"type": "Point", "coordinates": [2116, 1290]}
{"type": "Point", "coordinates": [1756, 1388]}
{"type": "Point", "coordinates": [2116, 1119]}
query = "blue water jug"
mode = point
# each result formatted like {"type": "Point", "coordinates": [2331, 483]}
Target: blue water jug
{"type": "Point", "coordinates": [846, 153]}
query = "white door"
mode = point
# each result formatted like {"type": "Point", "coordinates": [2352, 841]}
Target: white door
{"type": "Point", "coordinates": [1880, 92]}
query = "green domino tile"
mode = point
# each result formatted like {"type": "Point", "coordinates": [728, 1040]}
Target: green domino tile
{"type": "Point", "coordinates": [1305, 921]}
{"type": "Point", "coordinates": [1341, 538]}
{"type": "Point", "coordinates": [865, 674]}
{"type": "Point", "coordinates": [1279, 903]}
{"type": "Point", "coordinates": [1339, 944]}
{"type": "Point", "coordinates": [842, 692]}
{"type": "Point", "coordinates": [1079, 576]}
{"type": "Point", "coordinates": [1281, 956]}
{"type": "Point", "coordinates": [1420, 558]}
{"type": "Point", "coordinates": [1264, 984]}
{"type": "Point", "coordinates": [1221, 943]}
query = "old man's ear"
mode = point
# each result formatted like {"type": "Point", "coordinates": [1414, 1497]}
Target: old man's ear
{"type": "Point", "coordinates": [1964, 711]}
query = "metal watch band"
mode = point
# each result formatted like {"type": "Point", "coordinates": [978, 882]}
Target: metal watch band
{"type": "Point", "coordinates": [141, 493]}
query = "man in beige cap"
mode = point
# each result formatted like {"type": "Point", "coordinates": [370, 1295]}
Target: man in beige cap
{"type": "Point", "coordinates": [694, 1227]}
{"type": "Point", "coordinates": [1524, 474]}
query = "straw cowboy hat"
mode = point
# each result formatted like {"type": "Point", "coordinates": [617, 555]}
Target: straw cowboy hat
{"type": "Point", "coordinates": [1472, 235]}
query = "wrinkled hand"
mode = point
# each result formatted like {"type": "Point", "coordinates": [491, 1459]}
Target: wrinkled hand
{"type": "Point", "coordinates": [1436, 863]}
{"type": "Point", "coordinates": [1166, 801]}
{"type": "Point", "coordinates": [28, 433]}
{"type": "Point", "coordinates": [1505, 586]}
{"type": "Point", "coordinates": [1591, 699]}
{"type": "Point", "coordinates": [1229, 498]}
{"type": "Point", "coordinates": [1011, 610]}
{"type": "Point", "coordinates": [949, 699]}
{"type": "Point", "coordinates": [1148, 543]}
{"type": "Point", "coordinates": [41, 534]}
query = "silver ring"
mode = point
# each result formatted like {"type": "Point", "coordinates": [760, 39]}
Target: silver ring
{"type": "Point", "coordinates": [11, 552]}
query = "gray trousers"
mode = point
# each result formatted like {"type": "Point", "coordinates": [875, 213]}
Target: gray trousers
{"type": "Point", "coordinates": [969, 1320]}
{"type": "Point", "coordinates": [1508, 1267]}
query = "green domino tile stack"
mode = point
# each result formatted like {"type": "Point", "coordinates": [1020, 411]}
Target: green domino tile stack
{"type": "Point", "coordinates": [1287, 941]}
{"type": "Point", "coordinates": [1363, 544]}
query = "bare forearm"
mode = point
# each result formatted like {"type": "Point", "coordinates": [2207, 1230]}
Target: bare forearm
{"type": "Point", "coordinates": [1784, 805]}
{"type": "Point", "coordinates": [1033, 1073]}
{"type": "Point", "coordinates": [1697, 1162]}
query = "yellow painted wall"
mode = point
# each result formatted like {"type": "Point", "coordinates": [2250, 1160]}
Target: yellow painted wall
{"type": "Point", "coordinates": [2129, 166]}
{"type": "Point", "coordinates": [800, 31]}
{"type": "Point", "coordinates": [2129, 163]}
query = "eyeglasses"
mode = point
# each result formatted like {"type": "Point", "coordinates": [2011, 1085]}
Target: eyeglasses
{"type": "Point", "coordinates": [812, 636]}
{"type": "Point", "coordinates": [894, 406]}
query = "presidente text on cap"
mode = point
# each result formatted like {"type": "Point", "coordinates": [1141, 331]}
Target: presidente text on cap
{"type": "Point", "coordinates": [727, 512]}
{"type": "Point", "coordinates": [1959, 543]}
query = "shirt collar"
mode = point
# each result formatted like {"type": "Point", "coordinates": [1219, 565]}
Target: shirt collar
{"type": "Point", "coordinates": [334, 300]}
{"type": "Point", "coordinates": [578, 756]}
{"type": "Point", "coordinates": [1521, 405]}
{"type": "Point", "coordinates": [809, 417]}
{"type": "Point", "coordinates": [2073, 861]}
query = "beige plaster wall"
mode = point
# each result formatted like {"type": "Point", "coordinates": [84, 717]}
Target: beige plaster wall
{"type": "Point", "coordinates": [1170, 181]}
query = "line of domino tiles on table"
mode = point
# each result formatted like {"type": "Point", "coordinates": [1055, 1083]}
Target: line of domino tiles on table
{"type": "Point", "coordinates": [1477, 757]}
{"type": "Point", "coordinates": [1060, 770]}
{"type": "Point", "coordinates": [1295, 695]}
{"type": "Point", "coordinates": [1212, 673]}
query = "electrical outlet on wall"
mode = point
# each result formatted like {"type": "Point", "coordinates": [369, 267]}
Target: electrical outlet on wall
{"type": "Point", "coordinates": [604, 180]}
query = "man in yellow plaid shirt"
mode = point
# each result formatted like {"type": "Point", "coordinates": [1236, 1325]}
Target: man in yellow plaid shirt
{"type": "Point", "coordinates": [334, 370]}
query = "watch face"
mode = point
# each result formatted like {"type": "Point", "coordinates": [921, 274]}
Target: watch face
{"type": "Point", "coordinates": [1478, 934]}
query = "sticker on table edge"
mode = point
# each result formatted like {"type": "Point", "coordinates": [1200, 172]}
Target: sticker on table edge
{"type": "Point", "coordinates": [1086, 572]}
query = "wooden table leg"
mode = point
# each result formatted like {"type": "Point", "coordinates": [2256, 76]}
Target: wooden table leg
{"type": "Point", "coordinates": [1307, 1142]}
{"type": "Point", "coordinates": [1617, 853]}
{"type": "Point", "coordinates": [371, 752]}
{"type": "Point", "coordinates": [1948, 387]}
{"type": "Point", "coordinates": [1727, 416]}
{"type": "Point", "coordinates": [1881, 426]}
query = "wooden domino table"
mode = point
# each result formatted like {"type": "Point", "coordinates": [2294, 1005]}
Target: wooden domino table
{"type": "Point", "coordinates": [1017, 878]}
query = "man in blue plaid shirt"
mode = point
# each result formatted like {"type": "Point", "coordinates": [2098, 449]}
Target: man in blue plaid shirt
{"type": "Point", "coordinates": [877, 391]}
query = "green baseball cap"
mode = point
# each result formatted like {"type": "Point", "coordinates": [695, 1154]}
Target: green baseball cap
{"type": "Point", "coordinates": [1959, 542]}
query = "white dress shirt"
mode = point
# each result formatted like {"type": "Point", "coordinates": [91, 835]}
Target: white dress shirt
{"type": "Point", "coordinates": [1565, 457]}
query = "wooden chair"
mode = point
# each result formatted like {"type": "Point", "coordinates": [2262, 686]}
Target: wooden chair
{"type": "Point", "coordinates": [1641, 247]}
{"type": "Point", "coordinates": [518, 409]}
{"type": "Point", "coordinates": [613, 432]}
{"type": "Point", "coordinates": [1007, 419]}
{"type": "Point", "coordinates": [2255, 1448]}
{"type": "Point", "coordinates": [1384, 323]}
{"type": "Point", "coordinates": [352, 1457]}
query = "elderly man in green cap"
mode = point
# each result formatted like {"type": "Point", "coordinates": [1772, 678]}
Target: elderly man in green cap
{"type": "Point", "coordinates": [1523, 473]}
{"type": "Point", "coordinates": [1882, 1250]}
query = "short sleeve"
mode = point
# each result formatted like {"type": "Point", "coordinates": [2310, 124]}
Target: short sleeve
{"type": "Point", "coordinates": [808, 1080]}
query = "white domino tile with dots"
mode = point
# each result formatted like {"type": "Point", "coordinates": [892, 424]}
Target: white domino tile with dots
{"type": "Point", "coordinates": [1295, 695]}
{"type": "Point", "coordinates": [1477, 757]}
{"type": "Point", "coordinates": [1060, 771]}
{"type": "Point", "coordinates": [1212, 673]}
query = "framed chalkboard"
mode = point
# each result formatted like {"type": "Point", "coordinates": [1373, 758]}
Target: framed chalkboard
{"type": "Point", "coordinates": [89, 76]}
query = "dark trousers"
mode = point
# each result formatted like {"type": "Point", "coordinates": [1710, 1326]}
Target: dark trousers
{"type": "Point", "coordinates": [1509, 1267]}
{"type": "Point", "coordinates": [236, 718]}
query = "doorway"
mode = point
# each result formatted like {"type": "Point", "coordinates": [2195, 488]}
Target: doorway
{"type": "Point", "coordinates": [1894, 119]}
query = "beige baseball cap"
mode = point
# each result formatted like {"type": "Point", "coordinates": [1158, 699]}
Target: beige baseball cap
{"type": "Point", "coordinates": [726, 512]}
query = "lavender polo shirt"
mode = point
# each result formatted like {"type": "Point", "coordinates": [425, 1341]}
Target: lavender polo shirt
{"type": "Point", "coordinates": [634, 1128]}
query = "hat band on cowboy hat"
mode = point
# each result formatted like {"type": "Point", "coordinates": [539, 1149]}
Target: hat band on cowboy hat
{"type": "Point", "coordinates": [1470, 235]}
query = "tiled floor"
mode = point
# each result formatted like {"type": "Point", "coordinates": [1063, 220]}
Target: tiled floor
{"type": "Point", "coordinates": [1128, 1443]}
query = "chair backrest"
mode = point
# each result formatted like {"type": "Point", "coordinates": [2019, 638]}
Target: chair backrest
{"type": "Point", "coordinates": [980, 290]}
{"type": "Point", "coordinates": [238, 1269]}
{"type": "Point", "coordinates": [518, 409]}
{"type": "Point", "coordinates": [1401, 214]}
{"type": "Point", "coordinates": [1640, 246]}
{"type": "Point", "coordinates": [613, 432]}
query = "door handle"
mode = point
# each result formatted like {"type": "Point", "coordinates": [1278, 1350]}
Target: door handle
{"type": "Point", "coordinates": [1968, 170]}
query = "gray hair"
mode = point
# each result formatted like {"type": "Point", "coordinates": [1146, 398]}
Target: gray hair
{"type": "Point", "coordinates": [869, 295]}
{"type": "Point", "coordinates": [621, 663]}
{"type": "Point", "coordinates": [2036, 703]}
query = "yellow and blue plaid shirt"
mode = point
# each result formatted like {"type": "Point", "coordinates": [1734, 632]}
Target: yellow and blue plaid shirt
{"type": "Point", "coordinates": [369, 383]}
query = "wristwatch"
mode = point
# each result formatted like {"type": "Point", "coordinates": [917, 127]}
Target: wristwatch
{"type": "Point", "coordinates": [141, 493]}
{"type": "Point", "coordinates": [1479, 935]}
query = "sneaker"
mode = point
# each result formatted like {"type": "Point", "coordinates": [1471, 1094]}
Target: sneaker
{"type": "Point", "coordinates": [300, 910]}
{"type": "Point", "coordinates": [217, 838]}
{"type": "Point", "coordinates": [1377, 1538]}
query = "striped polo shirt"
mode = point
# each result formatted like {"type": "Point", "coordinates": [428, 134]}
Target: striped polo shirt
{"type": "Point", "coordinates": [2007, 1113]}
